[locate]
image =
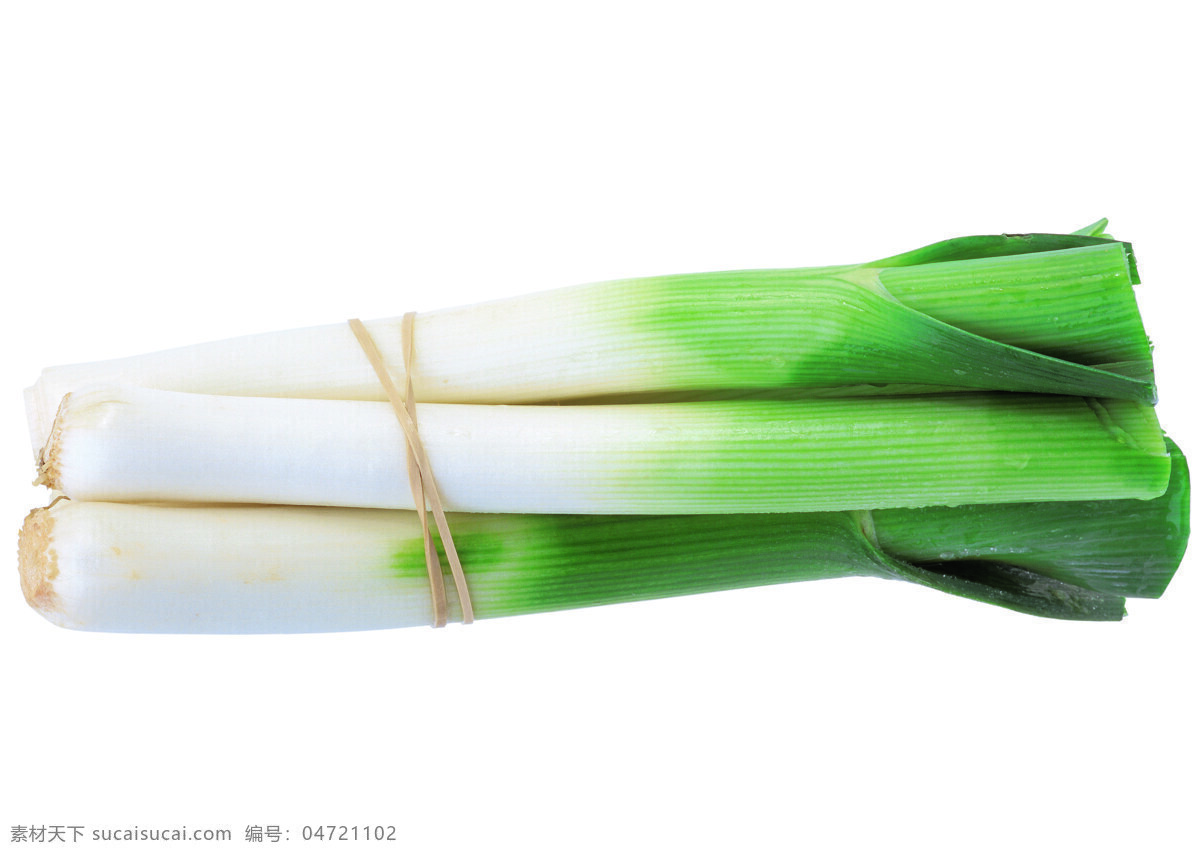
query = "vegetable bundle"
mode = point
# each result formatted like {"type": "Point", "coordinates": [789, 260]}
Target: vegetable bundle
{"type": "Point", "coordinates": [975, 416]}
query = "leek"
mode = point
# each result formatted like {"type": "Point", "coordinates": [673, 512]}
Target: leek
{"type": "Point", "coordinates": [1025, 313]}
{"type": "Point", "coordinates": [163, 569]}
{"type": "Point", "coordinates": [135, 445]}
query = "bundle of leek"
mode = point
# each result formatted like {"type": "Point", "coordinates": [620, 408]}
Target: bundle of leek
{"type": "Point", "coordinates": [976, 416]}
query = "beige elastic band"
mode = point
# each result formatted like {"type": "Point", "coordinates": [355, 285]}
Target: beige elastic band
{"type": "Point", "coordinates": [420, 474]}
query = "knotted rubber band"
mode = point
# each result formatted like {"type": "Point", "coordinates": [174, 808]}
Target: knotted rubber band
{"type": "Point", "coordinates": [433, 565]}
{"type": "Point", "coordinates": [420, 474]}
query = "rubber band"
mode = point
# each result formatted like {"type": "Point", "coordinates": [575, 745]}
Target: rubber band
{"type": "Point", "coordinates": [420, 474]}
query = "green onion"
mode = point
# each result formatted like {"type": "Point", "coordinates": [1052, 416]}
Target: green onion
{"type": "Point", "coordinates": [133, 445]}
{"type": "Point", "coordinates": [162, 569]}
{"type": "Point", "coordinates": [1025, 313]}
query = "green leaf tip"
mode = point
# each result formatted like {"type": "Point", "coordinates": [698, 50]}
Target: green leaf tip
{"type": "Point", "coordinates": [1096, 230]}
{"type": "Point", "coordinates": [1177, 522]}
{"type": "Point", "coordinates": [991, 246]}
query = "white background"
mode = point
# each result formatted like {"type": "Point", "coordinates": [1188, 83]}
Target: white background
{"type": "Point", "coordinates": [179, 172]}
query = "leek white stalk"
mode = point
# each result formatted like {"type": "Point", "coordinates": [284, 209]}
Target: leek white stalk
{"type": "Point", "coordinates": [961, 314]}
{"type": "Point", "coordinates": [115, 567]}
{"type": "Point", "coordinates": [132, 444]}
